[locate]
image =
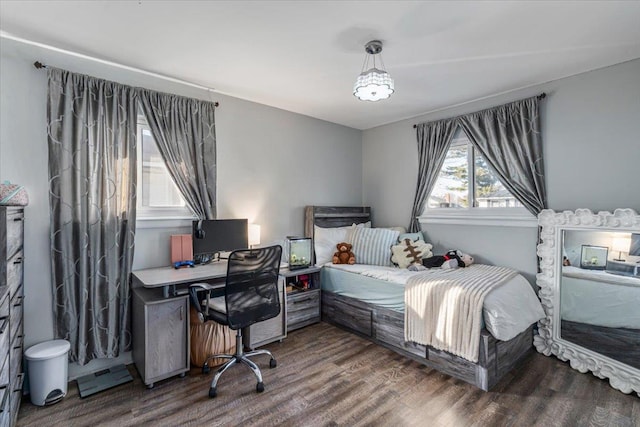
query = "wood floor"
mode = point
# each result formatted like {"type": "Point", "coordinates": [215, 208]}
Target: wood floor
{"type": "Point", "coordinates": [329, 377]}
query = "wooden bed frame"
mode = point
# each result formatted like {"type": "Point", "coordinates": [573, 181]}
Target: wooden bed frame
{"type": "Point", "coordinates": [386, 327]}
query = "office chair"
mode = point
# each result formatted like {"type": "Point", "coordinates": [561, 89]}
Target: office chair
{"type": "Point", "coordinates": [250, 296]}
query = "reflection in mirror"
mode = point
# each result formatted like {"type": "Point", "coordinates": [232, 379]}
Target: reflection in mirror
{"type": "Point", "coordinates": [589, 284]}
{"type": "Point", "coordinates": [600, 294]}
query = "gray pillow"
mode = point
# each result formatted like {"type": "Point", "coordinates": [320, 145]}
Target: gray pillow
{"type": "Point", "coordinates": [373, 245]}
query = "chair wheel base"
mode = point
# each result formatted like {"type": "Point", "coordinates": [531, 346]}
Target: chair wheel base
{"type": "Point", "coordinates": [205, 369]}
{"type": "Point", "coordinates": [213, 392]}
{"type": "Point", "coordinates": [273, 363]}
{"type": "Point", "coordinates": [260, 387]}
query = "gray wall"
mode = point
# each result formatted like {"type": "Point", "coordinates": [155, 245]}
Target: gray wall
{"type": "Point", "coordinates": [271, 163]}
{"type": "Point", "coordinates": [591, 132]}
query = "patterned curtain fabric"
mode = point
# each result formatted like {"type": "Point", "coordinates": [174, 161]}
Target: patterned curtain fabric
{"type": "Point", "coordinates": [184, 130]}
{"type": "Point", "coordinates": [433, 142]}
{"type": "Point", "coordinates": [92, 174]}
{"type": "Point", "coordinates": [509, 138]}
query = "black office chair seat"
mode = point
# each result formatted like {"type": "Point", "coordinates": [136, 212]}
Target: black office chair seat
{"type": "Point", "coordinates": [250, 296]}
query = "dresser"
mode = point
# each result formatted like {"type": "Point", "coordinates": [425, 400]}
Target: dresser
{"type": "Point", "coordinates": [11, 326]}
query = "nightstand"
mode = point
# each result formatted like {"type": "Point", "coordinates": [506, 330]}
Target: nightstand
{"type": "Point", "coordinates": [303, 296]}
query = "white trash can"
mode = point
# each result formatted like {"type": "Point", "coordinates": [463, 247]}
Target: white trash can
{"type": "Point", "coordinates": [48, 365]}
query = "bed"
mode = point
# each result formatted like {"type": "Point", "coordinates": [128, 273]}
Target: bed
{"type": "Point", "coordinates": [368, 301]}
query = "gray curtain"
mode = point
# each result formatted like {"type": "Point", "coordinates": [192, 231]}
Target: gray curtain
{"type": "Point", "coordinates": [92, 196]}
{"type": "Point", "coordinates": [433, 142]}
{"type": "Point", "coordinates": [509, 138]}
{"type": "Point", "coordinates": [184, 130]}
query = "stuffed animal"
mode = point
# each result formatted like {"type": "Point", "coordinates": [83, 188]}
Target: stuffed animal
{"type": "Point", "coordinates": [409, 252]}
{"type": "Point", "coordinates": [344, 254]}
{"type": "Point", "coordinates": [452, 259]}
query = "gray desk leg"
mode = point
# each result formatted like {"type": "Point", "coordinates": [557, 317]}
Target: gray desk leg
{"type": "Point", "coordinates": [169, 291]}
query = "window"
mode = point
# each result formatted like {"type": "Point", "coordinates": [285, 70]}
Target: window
{"type": "Point", "coordinates": [467, 189]}
{"type": "Point", "coordinates": [158, 196]}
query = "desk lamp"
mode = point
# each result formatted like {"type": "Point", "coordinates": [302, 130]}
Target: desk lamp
{"type": "Point", "coordinates": [254, 235]}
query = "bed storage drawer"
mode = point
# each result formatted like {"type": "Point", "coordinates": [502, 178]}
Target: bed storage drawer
{"type": "Point", "coordinates": [389, 329]}
{"type": "Point", "coordinates": [353, 317]}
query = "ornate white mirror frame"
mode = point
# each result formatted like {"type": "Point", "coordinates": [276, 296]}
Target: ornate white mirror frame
{"type": "Point", "coordinates": [548, 341]}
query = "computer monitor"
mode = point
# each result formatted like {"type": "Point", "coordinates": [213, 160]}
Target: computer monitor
{"type": "Point", "coordinates": [634, 248]}
{"type": "Point", "coordinates": [212, 236]}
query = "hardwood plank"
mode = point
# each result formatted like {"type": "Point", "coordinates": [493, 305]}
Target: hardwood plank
{"type": "Point", "coordinates": [327, 376]}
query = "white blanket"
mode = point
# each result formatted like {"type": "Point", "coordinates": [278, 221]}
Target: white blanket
{"type": "Point", "coordinates": [443, 308]}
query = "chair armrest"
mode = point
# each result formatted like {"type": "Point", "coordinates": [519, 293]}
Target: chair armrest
{"type": "Point", "coordinates": [196, 289]}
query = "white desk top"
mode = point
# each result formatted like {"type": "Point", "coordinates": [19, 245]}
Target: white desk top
{"type": "Point", "coordinates": [167, 276]}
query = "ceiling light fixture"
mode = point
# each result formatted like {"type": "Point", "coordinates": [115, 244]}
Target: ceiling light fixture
{"type": "Point", "coordinates": [375, 83]}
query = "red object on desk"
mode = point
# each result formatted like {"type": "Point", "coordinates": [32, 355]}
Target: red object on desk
{"type": "Point", "coordinates": [181, 248]}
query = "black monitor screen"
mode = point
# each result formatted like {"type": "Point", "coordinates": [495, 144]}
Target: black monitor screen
{"type": "Point", "coordinates": [212, 236]}
{"type": "Point", "coordinates": [634, 248]}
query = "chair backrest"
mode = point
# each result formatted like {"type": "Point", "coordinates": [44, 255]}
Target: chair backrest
{"type": "Point", "coordinates": [251, 290]}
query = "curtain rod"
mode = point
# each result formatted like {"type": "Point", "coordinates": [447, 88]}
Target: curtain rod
{"type": "Point", "coordinates": [541, 96]}
{"type": "Point", "coordinates": [39, 65]}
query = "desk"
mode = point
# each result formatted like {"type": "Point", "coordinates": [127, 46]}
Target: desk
{"type": "Point", "coordinates": [160, 310]}
{"type": "Point", "coordinates": [169, 279]}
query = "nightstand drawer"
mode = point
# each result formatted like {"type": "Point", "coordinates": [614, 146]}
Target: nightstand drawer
{"type": "Point", "coordinates": [5, 404]}
{"type": "Point", "coordinates": [4, 374]}
{"type": "Point", "coordinates": [15, 226]}
{"type": "Point", "coordinates": [303, 301]}
{"type": "Point", "coordinates": [303, 308]}
{"type": "Point", "coordinates": [4, 330]}
{"type": "Point", "coordinates": [16, 356]}
{"type": "Point", "coordinates": [4, 336]}
{"type": "Point", "coordinates": [4, 305]}
{"type": "Point", "coordinates": [16, 315]}
{"type": "Point", "coordinates": [14, 273]}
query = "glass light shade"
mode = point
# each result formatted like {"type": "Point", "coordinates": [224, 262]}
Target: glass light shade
{"type": "Point", "coordinates": [373, 85]}
{"type": "Point", "coordinates": [254, 234]}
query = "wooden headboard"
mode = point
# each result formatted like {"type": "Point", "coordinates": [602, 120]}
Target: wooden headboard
{"type": "Point", "coordinates": [334, 216]}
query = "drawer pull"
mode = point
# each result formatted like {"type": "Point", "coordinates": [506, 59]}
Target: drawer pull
{"type": "Point", "coordinates": [17, 219]}
{"type": "Point", "coordinates": [18, 302]}
{"type": "Point", "coordinates": [18, 261]}
{"type": "Point", "coordinates": [5, 322]}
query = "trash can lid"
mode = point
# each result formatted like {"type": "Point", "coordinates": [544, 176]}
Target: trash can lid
{"type": "Point", "coordinates": [47, 350]}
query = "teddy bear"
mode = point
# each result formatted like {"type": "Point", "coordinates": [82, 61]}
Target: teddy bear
{"type": "Point", "coordinates": [409, 252]}
{"type": "Point", "coordinates": [344, 254]}
{"type": "Point", "coordinates": [451, 260]}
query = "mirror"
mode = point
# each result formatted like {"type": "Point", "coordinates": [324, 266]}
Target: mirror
{"type": "Point", "coordinates": [590, 289]}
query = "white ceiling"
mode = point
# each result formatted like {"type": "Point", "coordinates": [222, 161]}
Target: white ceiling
{"type": "Point", "coordinates": [305, 56]}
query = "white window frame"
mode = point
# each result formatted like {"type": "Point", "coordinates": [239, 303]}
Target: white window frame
{"type": "Point", "coordinates": [505, 217]}
{"type": "Point", "coordinates": [156, 217]}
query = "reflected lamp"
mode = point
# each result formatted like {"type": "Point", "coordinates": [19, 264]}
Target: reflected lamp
{"type": "Point", "coordinates": [621, 244]}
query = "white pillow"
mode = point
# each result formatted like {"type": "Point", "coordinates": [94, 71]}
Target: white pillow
{"type": "Point", "coordinates": [373, 245]}
{"type": "Point", "coordinates": [399, 229]}
{"type": "Point", "coordinates": [326, 239]}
